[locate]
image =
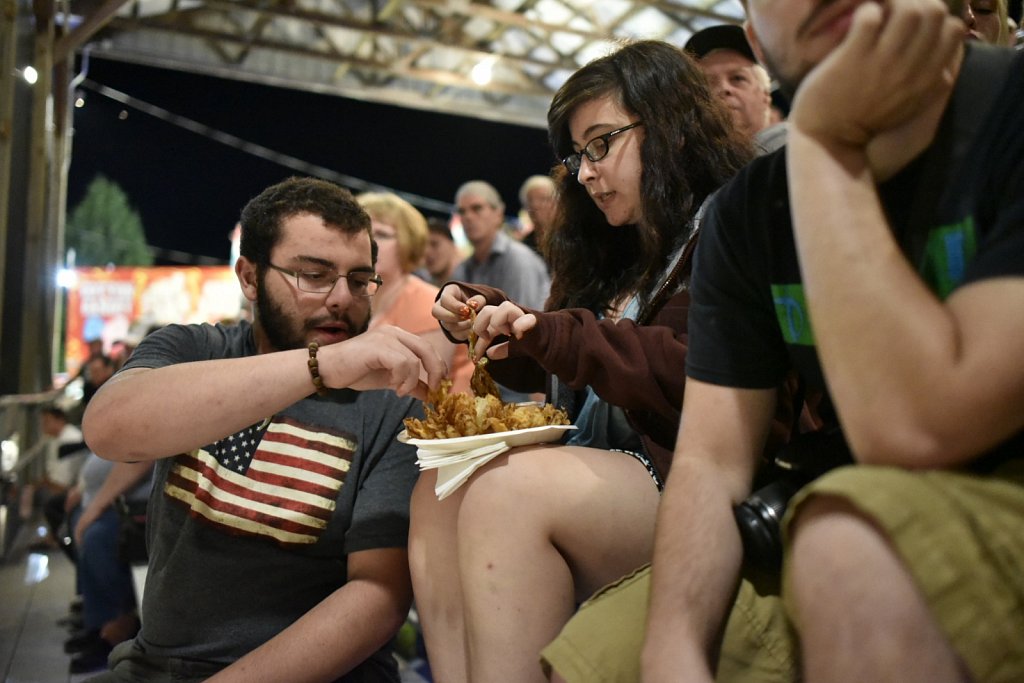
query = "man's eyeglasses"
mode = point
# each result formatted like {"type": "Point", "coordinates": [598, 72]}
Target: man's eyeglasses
{"type": "Point", "coordinates": [596, 149]}
{"type": "Point", "coordinates": [360, 283]}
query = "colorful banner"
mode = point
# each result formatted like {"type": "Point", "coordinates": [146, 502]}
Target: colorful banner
{"type": "Point", "coordinates": [119, 305]}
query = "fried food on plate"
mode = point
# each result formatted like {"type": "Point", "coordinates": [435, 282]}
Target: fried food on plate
{"type": "Point", "coordinates": [451, 415]}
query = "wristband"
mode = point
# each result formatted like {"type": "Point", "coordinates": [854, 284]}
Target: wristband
{"type": "Point", "coordinates": [314, 370]}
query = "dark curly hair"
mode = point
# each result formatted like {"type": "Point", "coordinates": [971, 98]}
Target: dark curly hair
{"type": "Point", "coordinates": [263, 216]}
{"type": "Point", "coordinates": [689, 149]}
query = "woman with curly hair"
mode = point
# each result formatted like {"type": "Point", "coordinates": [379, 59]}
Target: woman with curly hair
{"type": "Point", "coordinates": [499, 565]}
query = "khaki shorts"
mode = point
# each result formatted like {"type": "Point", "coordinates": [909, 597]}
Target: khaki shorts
{"type": "Point", "coordinates": [601, 644]}
{"type": "Point", "coordinates": [962, 537]}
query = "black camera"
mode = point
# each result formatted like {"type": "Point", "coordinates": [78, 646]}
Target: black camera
{"type": "Point", "coordinates": [759, 517]}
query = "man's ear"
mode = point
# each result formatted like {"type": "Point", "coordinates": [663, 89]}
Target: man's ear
{"type": "Point", "coordinates": [755, 44]}
{"type": "Point", "coordinates": [248, 277]}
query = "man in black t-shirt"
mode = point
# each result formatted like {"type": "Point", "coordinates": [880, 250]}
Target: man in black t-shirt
{"type": "Point", "coordinates": [881, 255]}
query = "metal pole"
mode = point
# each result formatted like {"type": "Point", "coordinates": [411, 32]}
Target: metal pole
{"type": "Point", "coordinates": [8, 52]}
{"type": "Point", "coordinates": [39, 280]}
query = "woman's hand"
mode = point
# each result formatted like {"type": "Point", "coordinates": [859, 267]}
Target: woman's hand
{"type": "Point", "coordinates": [452, 310]}
{"type": "Point", "coordinates": [506, 319]}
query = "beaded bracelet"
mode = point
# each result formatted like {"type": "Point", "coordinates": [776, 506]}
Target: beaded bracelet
{"type": "Point", "coordinates": [314, 369]}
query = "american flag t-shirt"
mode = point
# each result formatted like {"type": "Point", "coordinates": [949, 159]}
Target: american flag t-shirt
{"type": "Point", "coordinates": [278, 479]}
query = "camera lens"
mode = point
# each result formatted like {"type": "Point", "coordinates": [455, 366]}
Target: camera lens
{"type": "Point", "coordinates": [759, 518]}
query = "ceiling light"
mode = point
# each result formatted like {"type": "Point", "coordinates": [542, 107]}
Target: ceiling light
{"type": "Point", "coordinates": [483, 72]}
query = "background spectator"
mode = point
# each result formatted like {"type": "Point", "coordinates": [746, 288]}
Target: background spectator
{"type": "Point", "coordinates": [403, 299]}
{"type": "Point", "coordinates": [741, 83]}
{"type": "Point", "coordinates": [441, 256]}
{"type": "Point", "coordinates": [103, 576]}
{"type": "Point", "coordinates": [537, 197]}
{"type": "Point", "coordinates": [987, 21]}
{"type": "Point", "coordinates": [497, 260]}
{"type": "Point", "coordinates": [65, 455]}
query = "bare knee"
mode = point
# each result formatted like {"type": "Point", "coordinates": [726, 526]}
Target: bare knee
{"type": "Point", "coordinates": [824, 531]}
{"type": "Point", "coordinates": [505, 489]}
{"type": "Point", "coordinates": [845, 568]}
{"type": "Point", "coordinates": [860, 612]}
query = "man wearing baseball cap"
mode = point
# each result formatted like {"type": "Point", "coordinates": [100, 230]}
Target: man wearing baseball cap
{"type": "Point", "coordinates": [743, 85]}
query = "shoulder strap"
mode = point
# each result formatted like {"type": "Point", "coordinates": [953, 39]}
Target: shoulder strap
{"type": "Point", "coordinates": [680, 270]}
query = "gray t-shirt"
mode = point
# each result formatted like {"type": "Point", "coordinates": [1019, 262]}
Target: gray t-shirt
{"type": "Point", "coordinates": [96, 470]}
{"type": "Point", "coordinates": [248, 534]}
{"type": "Point", "coordinates": [513, 268]}
{"type": "Point", "coordinates": [771, 138]}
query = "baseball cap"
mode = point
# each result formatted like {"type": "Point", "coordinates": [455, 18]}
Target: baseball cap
{"type": "Point", "coordinates": [722, 37]}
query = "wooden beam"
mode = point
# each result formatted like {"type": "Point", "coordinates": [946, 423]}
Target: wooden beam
{"type": "Point", "coordinates": [69, 42]}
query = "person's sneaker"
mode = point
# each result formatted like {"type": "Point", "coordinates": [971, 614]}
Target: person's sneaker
{"type": "Point", "coordinates": [93, 658]}
{"type": "Point", "coordinates": [82, 641]}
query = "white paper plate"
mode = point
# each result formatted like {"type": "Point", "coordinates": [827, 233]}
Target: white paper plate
{"type": "Point", "coordinates": [517, 437]}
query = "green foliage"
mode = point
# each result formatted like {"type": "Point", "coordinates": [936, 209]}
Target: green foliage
{"type": "Point", "coordinates": [104, 228]}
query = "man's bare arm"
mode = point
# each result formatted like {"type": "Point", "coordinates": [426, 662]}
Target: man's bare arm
{"type": "Point", "coordinates": [917, 382]}
{"type": "Point", "coordinates": [145, 414]}
{"type": "Point", "coordinates": [697, 552]}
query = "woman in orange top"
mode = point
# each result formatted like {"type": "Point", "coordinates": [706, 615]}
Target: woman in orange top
{"type": "Point", "coordinates": [405, 300]}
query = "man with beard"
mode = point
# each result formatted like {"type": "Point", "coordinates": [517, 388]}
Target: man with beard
{"type": "Point", "coordinates": [278, 520]}
{"type": "Point", "coordinates": [881, 256]}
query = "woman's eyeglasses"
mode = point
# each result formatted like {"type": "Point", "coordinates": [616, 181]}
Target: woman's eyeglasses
{"type": "Point", "coordinates": [596, 149]}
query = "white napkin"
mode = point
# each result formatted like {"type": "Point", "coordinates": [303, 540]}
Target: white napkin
{"type": "Point", "coordinates": [453, 469]}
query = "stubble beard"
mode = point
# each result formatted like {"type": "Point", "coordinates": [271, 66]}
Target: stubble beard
{"type": "Point", "coordinates": [787, 83]}
{"type": "Point", "coordinates": [280, 330]}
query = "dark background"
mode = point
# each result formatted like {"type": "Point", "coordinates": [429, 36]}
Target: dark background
{"type": "Point", "coordinates": [189, 188]}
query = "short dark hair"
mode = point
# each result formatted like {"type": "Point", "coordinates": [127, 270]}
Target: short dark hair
{"type": "Point", "coordinates": [440, 227]}
{"type": "Point", "coordinates": [264, 215]}
{"type": "Point", "coordinates": [102, 357]}
{"type": "Point", "coordinates": [54, 411]}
